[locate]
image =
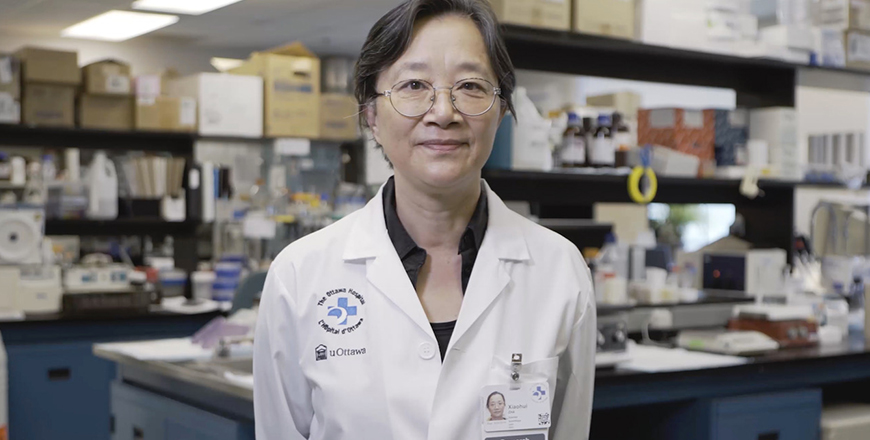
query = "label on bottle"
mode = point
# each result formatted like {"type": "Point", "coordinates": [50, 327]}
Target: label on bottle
{"type": "Point", "coordinates": [573, 150]}
{"type": "Point", "coordinates": [622, 140]}
{"type": "Point", "coordinates": [603, 151]}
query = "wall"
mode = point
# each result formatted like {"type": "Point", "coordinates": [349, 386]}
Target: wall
{"type": "Point", "coordinates": [145, 55]}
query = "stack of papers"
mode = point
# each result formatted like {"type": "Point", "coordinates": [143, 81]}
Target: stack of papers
{"type": "Point", "coordinates": [170, 350]}
{"type": "Point", "coordinates": [651, 359]}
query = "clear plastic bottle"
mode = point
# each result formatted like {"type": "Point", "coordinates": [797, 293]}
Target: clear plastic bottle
{"type": "Point", "coordinates": [611, 273]}
{"type": "Point", "coordinates": [573, 151]}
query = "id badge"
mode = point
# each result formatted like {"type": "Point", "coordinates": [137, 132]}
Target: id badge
{"type": "Point", "coordinates": [515, 413]}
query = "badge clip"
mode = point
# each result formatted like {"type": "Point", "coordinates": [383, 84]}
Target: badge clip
{"type": "Point", "coordinates": [516, 364]}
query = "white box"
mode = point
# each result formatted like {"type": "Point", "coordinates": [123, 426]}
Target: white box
{"type": "Point", "coordinates": [791, 36]}
{"type": "Point", "coordinates": [229, 105]}
{"type": "Point", "coordinates": [778, 126]}
{"type": "Point", "coordinates": [673, 23]}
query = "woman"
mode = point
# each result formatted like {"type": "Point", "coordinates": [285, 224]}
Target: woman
{"type": "Point", "coordinates": [396, 322]}
{"type": "Point", "coordinates": [495, 406]}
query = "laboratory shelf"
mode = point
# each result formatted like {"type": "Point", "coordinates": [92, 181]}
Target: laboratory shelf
{"type": "Point", "coordinates": [565, 188]}
{"type": "Point", "coordinates": [759, 82]}
{"type": "Point", "coordinates": [155, 227]}
{"type": "Point", "coordinates": [53, 137]}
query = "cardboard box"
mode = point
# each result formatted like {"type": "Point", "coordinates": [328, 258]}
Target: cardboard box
{"type": "Point", "coordinates": [612, 18]}
{"type": "Point", "coordinates": [339, 116]}
{"type": "Point", "coordinates": [550, 14]}
{"type": "Point", "coordinates": [10, 76]}
{"type": "Point", "coordinates": [105, 112]}
{"type": "Point", "coordinates": [731, 133]}
{"type": "Point", "coordinates": [857, 49]}
{"type": "Point", "coordinates": [687, 131]}
{"type": "Point", "coordinates": [49, 66]}
{"type": "Point", "coordinates": [107, 77]}
{"type": "Point", "coordinates": [164, 113]}
{"type": "Point", "coordinates": [291, 76]}
{"type": "Point", "coordinates": [626, 103]}
{"type": "Point", "coordinates": [843, 14]}
{"type": "Point", "coordinates": [51, 105]}
{"type": "Point", "coordinates": [227, 105]}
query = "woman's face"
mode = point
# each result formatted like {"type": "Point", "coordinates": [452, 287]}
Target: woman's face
{"type": "Point", "coordinates": [496, 407]}
{"type": "Point", "coordinates": [442, 148]}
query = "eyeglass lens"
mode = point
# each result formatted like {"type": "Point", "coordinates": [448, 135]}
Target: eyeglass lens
{"type": "Point", "coordinates": [471, 97]}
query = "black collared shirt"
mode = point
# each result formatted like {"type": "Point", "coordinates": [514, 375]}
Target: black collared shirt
{"type": "Point", "coordinates": [413, 257]}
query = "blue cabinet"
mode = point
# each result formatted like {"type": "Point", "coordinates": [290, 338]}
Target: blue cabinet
{"type": "Point", "coordinates": [58, 391]}
{"type": "Point", "coordinates": [143, 415]}
{"type": "Point", "coordinates": [57, 388]}
{"type": "Point", "coordinates": [782, 416]}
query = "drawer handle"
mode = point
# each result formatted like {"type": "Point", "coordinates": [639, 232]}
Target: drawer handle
{"type": "Point", "coordinates": [138, 433]}
{"type": "Point", "coordinates": [58, 374]}
{"type": "Point", "coordinates": [769, 436]}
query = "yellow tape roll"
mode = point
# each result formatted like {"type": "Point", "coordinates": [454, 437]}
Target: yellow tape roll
{"type": "Point", "coordinates": [634, 185]}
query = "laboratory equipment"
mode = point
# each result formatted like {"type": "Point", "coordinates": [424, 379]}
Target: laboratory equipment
{"type": "Point", "coordinates": [109, 278]}
{"type": "Point", "coordinates": [756, 271]}
{"type": "Point", "coordinates": [791, 326]}
{"type": "Point", "coordinates": [735, 343]}
{"type": "Point", "coordinates": [39, 289]}
{"type": "Point", "coordinates": [612, 340]}
{"type": "Point", "coordinates": [21, 234]}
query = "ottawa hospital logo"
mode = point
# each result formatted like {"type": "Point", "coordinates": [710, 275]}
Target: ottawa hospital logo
{"type": "Point", "coordinates": [341, 311]}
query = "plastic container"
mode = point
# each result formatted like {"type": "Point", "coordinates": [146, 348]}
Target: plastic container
{"type": "Point", "coordinates": [103, 188]}
{"type": "Point", "coordinates": [611, 273]}
{"type": "Point", "coordinates": [173, 282]}
{"type": "Point", "coordinates": [224, 290]}
{"type": "Point", "coordinates": [202, 284]}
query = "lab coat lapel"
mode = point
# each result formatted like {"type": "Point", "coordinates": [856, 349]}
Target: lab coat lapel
{"type": "Point", "coordinates": [503, 244]}
{"type": "Point", "coordinates": [370, 241]}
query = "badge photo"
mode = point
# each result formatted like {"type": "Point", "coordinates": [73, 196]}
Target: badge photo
{"type": "Point", "coordinates": [526, 408]}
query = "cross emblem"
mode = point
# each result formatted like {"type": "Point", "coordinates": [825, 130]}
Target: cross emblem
{"type": "Point", "coordinates": [342, 311]}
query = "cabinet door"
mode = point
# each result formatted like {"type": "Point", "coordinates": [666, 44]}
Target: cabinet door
{"type": "Point", "coordinates": [58, 391]}
{"type": "Point", "coordinates": [792, 415]}
{"type": "Point", "coordinates": [143, 415]}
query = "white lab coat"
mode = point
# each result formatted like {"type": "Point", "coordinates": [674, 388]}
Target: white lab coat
{"type": "Point", "coordinates": [530, 292]}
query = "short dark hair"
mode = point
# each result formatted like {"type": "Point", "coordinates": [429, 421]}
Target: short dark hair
{"type": "Point", "coordinates": [391, 35]}
{"type": "Point", "coordinates": [494, 393]}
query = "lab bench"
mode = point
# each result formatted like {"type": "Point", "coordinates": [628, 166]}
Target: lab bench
{"type": "Point", "coordinates": [57, 387]}
{"type": "Point", "coordinates": [778, 396]}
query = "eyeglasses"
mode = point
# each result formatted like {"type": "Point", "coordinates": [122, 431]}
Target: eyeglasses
{"type": "Point", "coordinates": [414, 97]}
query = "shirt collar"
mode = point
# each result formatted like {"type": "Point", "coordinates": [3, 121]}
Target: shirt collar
{"type": "Point", "coordinates": [472, 238]}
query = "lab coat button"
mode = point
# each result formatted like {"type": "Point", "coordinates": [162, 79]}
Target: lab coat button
{"type": "Point", "coordinates": [426, 350]}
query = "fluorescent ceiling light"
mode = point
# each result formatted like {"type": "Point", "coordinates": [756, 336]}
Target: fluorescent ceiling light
{"type": "Point", "coordinates": [187, 7]}
{"type": "Point", "coordinates": [118, 25]}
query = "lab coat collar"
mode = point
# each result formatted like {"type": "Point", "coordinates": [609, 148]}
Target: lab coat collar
{"type": "Point", "coordinates": [503, 242]}
{"type": "Point", "coordinates": [369, 237]}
